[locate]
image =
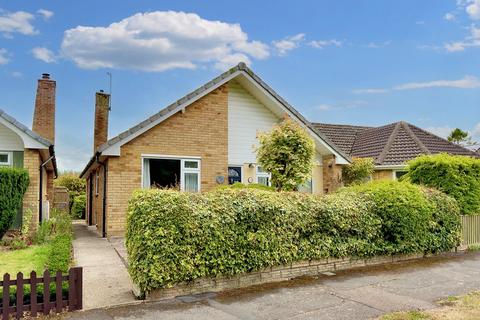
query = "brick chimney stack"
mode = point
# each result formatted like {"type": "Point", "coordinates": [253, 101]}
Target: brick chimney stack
{"type": "Point", "coordinates": [100, 127]}
{"type": "Point", "coordinates": [44, 114]}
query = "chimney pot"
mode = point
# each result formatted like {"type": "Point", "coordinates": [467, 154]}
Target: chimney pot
{"type": "Point", "coordinates": [45, 75]}
{"type": "Point", "coordinates": [101, 91]}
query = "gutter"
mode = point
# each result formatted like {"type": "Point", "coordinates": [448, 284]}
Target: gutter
{"type": "Point", "coordinates": [40, 191]}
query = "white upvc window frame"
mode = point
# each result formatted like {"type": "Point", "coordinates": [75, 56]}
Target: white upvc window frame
{"type": "Point", "coordinates": [9, 162]}
{"type": "Point", "coordinates": [262, 174]}
{"type": "Point", "coordinates": [183, 169]}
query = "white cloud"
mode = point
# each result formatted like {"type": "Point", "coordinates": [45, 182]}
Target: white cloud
{"type": "Point", "coordinates": [473, 9]}
{"type": "Point", "coordinates": [289, 43]}
{"type": "Point", "coordinates": [371, 90]}
{"type": "Point", "coordinates": [467, 82]}
{"type": "Point", "coordinates": [443, 132]}
{"type": "Point", "coordinates": [46, 14]}
{"type": "Point", "coordinates": [449, 16]}
{"type": "Point", "coordinates": [320, 44]}
{"type": "Point", "coordinates": [16, 22]}
{"type": "Point", "coordinates": [376, 45]}
{"type": "Point", "coordinates": [4, 56]}
{"type": "Point", "coordinates": [44, 54]}
{"type": "Point", "coordinates": [473, 40]}
{"type": "Point", "coordinates": [158, 41]}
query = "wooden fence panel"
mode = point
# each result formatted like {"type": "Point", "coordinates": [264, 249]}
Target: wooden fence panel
{"type": "Point", "coordinates": [470, 230]}
{"type": "Point", "coordinates": [54, 302]}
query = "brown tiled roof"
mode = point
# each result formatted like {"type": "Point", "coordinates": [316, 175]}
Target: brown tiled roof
{"type": "Point", "coordinates": [392, 144]}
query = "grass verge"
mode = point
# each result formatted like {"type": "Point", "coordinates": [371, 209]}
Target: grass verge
{"type": "Point", "coordinates": [465, 307]}
{"type": "Point", "coordinates": [24, 260]}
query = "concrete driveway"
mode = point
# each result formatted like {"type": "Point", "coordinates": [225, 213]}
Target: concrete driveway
{"type": "Point", "coordinates": [361, 294]}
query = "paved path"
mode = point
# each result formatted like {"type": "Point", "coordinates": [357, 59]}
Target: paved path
{"type": "Point", "coordinates": [105, 278]}
{"type": "Point", "coordinates": [361, 294]}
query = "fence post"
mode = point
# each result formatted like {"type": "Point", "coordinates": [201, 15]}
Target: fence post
{"type": "Point", "coordinates": [58, 291]}
{"type": "Point", "coordinates": [19, 295]}
{"type": "Point", "coordinates": [46, 292]}
{"type": "Point", "coordinates": [6, 296]}
{"type": "Point", "coordinates": [79, 287]}
{"type": "Point", "coordinates": [33, 294]}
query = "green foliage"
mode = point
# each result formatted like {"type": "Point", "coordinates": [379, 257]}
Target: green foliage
{"type": "Point", "coordinates": [13, 184]}
{"type": "Point", "coordinates": [174, 237]}
{"type": "Point", "coordinates": [76, 187]}
{"type": "Point", "coordinates": [238, 185]}
{"type": "Point", "coordinates": [287, 152]}
{"type": "Point", "coordinates": [79, 206]}
{"type": "Point", "coordinates": [457, 176]}
{"type": "Point", "coordinates": [26, 222]}
{"type": "Point", "coordinates": [461, 137]}
{"type": "Point", "coordinates": [359, 171]}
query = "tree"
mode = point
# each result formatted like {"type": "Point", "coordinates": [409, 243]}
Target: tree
{"type": "Point", "coordinates": [287, 152]}
{"type": "Point", "coordinates": [460, 137]}
{"type": "Point", "coordinates": [76, 186]}
{"type": "Point", "coordinates": [358, 171]}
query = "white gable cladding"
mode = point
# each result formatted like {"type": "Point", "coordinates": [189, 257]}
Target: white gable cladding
{"type": "Point", "coordinates": [9, 140]}
{"type": "Point", "coordinates": [246, 116]}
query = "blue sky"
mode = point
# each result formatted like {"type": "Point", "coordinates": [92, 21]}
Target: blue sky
{"type": "Point", "coordinates": [354, 62]}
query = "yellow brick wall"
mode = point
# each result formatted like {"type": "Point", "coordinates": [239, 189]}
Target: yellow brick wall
{"type": "Point", "coordinates": [382, 175]}
{"type": "Point", "coordinates": [332, 174]}
{"type": "Point", "coordinates": [201, 131]}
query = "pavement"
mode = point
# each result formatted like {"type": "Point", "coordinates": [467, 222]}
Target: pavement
{"type": "Point", "coordinates": [105, 278]}
{"type": "Point", "coordinates": [357, 294]}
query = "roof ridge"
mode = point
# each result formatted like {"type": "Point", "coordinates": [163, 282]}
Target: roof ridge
{"type": "Point", "coordinates": [389, 143]}
{"type": "Point", "coordinates": [343, 125]}
{"type": "Point", "coordinates": [412, 135]}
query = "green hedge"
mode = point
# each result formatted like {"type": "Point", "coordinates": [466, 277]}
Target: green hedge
{"type": "Point", "coordinates": [457, 176]}
{"type": "Point", "coordinates": [13, 185]}
{"type": "Point", "coordinates": [79, 206]}
{"type": "Point", "coordinates": [174, 237]}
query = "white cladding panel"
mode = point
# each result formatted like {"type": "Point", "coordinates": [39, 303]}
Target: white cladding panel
{"type": "Point", "coordinates": [246, 117]}
{"type": "Point", "coordinates": [9, 140]}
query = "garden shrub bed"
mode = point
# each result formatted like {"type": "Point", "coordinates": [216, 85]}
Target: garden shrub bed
{"type": "Point", "coordinates": [175, 237]}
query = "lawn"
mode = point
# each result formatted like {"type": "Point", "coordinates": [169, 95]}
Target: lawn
{"type": "Point", "coordinates": [24, 260]}
{"type": "Point", "coordinates": [465, 307]}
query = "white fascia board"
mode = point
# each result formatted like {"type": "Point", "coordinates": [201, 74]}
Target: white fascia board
{"type": "Point", "coordinates": [28, 141]}
{"type": "Point", "coordinates": [114, 150]}
{"type": "Point", "coordinates": [338, 158]}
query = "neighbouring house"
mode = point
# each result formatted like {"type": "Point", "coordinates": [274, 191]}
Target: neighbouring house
{"type": "Point", "coordinates": [391, 146]}
{"type": "Point", "coordinates": [203, 140]}
{"type": "Point", "coordinates": [33, 150]}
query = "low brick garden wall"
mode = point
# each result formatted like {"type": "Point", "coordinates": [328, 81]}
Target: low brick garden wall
{"type": "Point", "coordinates": [276, 274]}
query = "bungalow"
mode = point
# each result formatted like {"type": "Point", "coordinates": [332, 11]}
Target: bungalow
{"type": "Point", "coordinates": [391, 146]}
{"type": "Point", "coordinates": [203, 140]}
{"type": "Point", "coordinates": [33, 150]}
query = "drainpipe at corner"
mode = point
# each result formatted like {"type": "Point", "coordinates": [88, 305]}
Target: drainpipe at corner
{"type": "Point", "coordinates": [104, 204]}
{"type": "Point", "coordinates": [40, 191]}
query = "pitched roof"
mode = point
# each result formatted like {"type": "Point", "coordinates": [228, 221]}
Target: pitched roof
{"type": "Point", "coordinates": [240, 69]}
{"type": "Point", "coordinates": [24, 129]}
{"type": "Point", "coordinates": [392, 144]}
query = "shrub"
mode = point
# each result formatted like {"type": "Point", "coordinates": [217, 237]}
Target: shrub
{"type": "Point", "coordinates": [13, 184]}
{"type": "Point", "coordinates": [75, 185]}
{"type": "Point", "coordinates": [359, 171]}
{"type": "Point", "coordinates": [79, 206]}
{"type": "Point", "coordinates": [238, 185]}
{"type": "Point", "coordinates": [174, 237]}
{"type": "Point", "coordinates": [287, 152]}
{"type": "Point", "coordinates": [457, 176]}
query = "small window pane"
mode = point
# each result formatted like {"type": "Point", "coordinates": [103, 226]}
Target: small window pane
{"type": "Point", "coordinates": [191, 182]}
{"type": "Point", "coordinates": [264, 180]}
{"type": "Point", "coordinates": [234, 175]}
{"type": "Point", "coordinates": [399, 174]}
{"type": "Point", "coordinates": [260, 170]}
{"type": "Point", "coordinates": [306, 187]}
{"type": "Point", "coordinates": [191, 164]}
{"type": "Point", "coordinates": [3, 158]}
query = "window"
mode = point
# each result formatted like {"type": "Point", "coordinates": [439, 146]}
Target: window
{"type": "Point", "coordinates": [5, 158]}
{"type": "Point", "coordinates": [398, 174]}
{"type": "Point", "coordinates": [306, 187]}
{"type": "Point", "coordinates": [234, 174]}
{"type": "Point", "coordinates": [263, 177]}
{"type": "Point", "coordinates": [97, 178]}
{"type": "Point", "coordinates": [180, 174]}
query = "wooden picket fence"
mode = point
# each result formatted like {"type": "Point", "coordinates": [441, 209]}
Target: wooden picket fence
{"type": "Point", "coordinates": [470, 230]}
{"type": "Point", "coordinates": [35, 303]}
